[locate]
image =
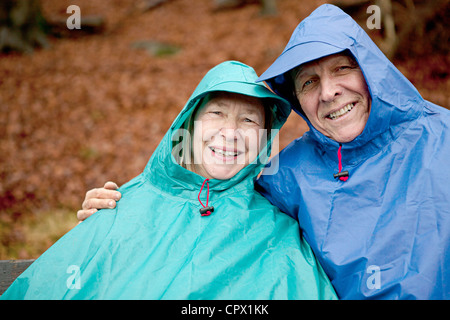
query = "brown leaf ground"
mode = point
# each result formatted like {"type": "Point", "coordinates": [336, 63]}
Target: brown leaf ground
{"type": "Point", "coordinates": [93, 108]}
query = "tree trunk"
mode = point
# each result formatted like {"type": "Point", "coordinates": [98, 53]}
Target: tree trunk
{"type": "Point", "coordinates": [21, 26]}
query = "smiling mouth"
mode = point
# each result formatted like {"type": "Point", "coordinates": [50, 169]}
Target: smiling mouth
{"type": "Point", "coordinates": [339, 113]}
{"type": "Point", "coordinates": [225, 153]}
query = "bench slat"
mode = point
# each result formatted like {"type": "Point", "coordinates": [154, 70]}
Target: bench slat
{"type": "Point", "coordinates": [10, 270]}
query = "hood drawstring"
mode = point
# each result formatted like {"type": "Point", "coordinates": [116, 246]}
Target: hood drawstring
{"type": "Point", "coordinates": [342, 175]}
{"type": "Point", "coordinates": [206, 210]}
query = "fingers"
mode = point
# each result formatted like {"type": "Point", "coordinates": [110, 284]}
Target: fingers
{"type": "Point", "coordinates": [98, 204]}
{"type": "Point", "coordinates": [91, 206]}
{"type": "Point", "coordinates": [84, 214]}
{"type": "Point", "coordinates": [102, 193]}
{"type": "Point", "coordinates": [101, 198]}
{"type": "Point", "coordinates": [111, 185]}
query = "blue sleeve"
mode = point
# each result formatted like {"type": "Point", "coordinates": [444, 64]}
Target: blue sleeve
{"type": "Point", "coordinates": [272, 185]}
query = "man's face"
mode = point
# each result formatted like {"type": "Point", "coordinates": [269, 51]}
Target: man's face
{"type": "Point", "coordinates": [334, 96]}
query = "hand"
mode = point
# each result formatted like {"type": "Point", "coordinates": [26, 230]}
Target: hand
{"type": "Point", "coordinates": [99, 198]}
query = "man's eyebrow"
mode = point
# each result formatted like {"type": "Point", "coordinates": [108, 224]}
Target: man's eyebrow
{"type": "Point", "coordinates": [347, 59]}
{"type": "Point", "coordinates": [294, 73]}
{"type": "Point", "coordinates": [300, 73]}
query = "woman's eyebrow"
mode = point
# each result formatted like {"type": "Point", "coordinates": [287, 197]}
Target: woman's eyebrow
{"type": "Point", "coordinates": [218, 104]}
{"type": "Point", "coordinates": [250, 111]}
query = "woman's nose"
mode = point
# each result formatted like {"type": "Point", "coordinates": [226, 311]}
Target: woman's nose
{"type": "Point", "coordinates": [229, 129]}
{"type": "Point", "coordinates": [229, 134]}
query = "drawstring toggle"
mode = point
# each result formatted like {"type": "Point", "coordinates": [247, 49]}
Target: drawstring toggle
{"type": "Point", "coordinates": [206, 210]}
{"type": "Point", "coordinates": [342, 175]}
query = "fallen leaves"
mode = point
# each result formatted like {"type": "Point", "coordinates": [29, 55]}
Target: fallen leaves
{"type": "Point", "coordinates": [92, 109]}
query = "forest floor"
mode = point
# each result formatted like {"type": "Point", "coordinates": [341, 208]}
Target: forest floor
{"type": "Point", "coordinates": [92, 108]}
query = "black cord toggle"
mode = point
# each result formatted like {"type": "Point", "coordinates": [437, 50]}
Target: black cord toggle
{"type": "Point", "coordinates": [206, 211]}
{"type": "Point", "coordinates": [341, 174]}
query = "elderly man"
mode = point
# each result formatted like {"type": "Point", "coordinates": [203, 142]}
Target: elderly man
{"type": "Point", "coordinates": [370, 182]}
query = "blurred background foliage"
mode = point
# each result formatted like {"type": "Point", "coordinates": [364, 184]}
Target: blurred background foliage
{"type": "Point", "coordinates": [81, 107]}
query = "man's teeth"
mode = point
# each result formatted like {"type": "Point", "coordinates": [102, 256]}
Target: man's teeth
{"type": "Point", "coordinates": [341, 112]}
{"type": "Point", "coordinates": [225, 153]}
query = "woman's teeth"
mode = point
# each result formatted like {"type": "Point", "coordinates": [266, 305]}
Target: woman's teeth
{"type": "Point", "coordinates": [224, 153]}
{"type": "Point", "coordinates": [341, 112]}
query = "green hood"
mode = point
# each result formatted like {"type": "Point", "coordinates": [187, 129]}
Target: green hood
{"type": "Point", "coordinates": [156, 245]}
{"type": "Point", "coordinates": [230, 76]}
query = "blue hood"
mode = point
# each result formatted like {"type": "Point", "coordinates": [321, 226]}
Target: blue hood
{"type": "Point", "coordinates": [329, 30]}
{"type": "Point", "coordinates": [385, 232]}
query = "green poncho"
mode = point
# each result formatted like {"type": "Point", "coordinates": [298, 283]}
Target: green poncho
{"type": "Point", "coordinates": [156, 245]}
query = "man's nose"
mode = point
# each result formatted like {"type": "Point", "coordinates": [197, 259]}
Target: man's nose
{"type": "Point", "coordinates": [329, 89]}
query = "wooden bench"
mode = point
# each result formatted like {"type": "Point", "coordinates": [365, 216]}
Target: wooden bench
{"type": "Point", "coordinates": [10, 270]}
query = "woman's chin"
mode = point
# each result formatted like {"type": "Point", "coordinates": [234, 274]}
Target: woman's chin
{"type": "Point", "coordinates": [223, 172]}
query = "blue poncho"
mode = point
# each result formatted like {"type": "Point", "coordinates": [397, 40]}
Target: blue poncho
{"type": "Point", "coordinates": [156, 245]}
{"type": "Point", "coordinates": [385, 232]}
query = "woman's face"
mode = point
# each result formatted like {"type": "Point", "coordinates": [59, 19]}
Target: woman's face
{"type": "Point", "coordinates": [227, 135]}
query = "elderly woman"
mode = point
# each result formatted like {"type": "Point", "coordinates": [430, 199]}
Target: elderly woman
{"type": "Point", "coordinates": [191, 226]}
